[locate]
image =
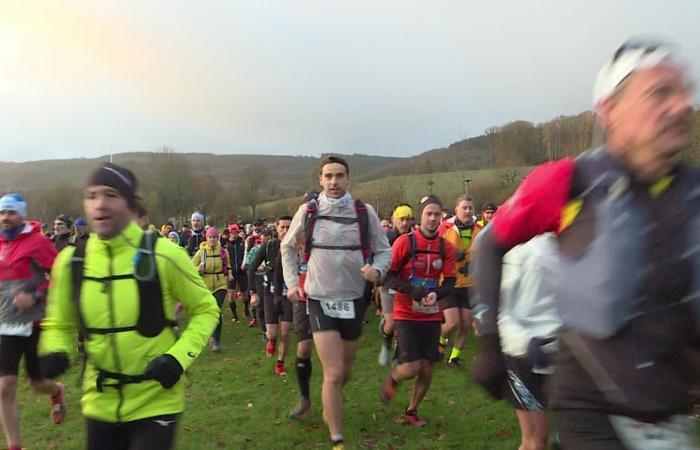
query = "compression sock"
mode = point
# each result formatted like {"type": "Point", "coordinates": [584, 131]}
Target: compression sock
{"type": "Point", "coordinates": [455, 353]}
{"type": "Point", "coordinates": [303, 369]}
{"type": "Point", "coordinates": [443, 340]}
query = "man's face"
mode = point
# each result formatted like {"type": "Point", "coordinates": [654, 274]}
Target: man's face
{"type": "Point", "coordinates": [430, 218]}
{"type": "Point", "coordinates": [106, 210]}
{"type": "Point", "coordinates": [334, 180]}
{"type": "Point", "coordinates": [650, 120]}
{"type": "Point", "coordinates": [403, 225]}
{"type": "Point", "coordinates": [487, 216]}
{"type": "Point", "coordinates": [257, 229]}
{"type": "Point", "coordinates": [9, 220]}
{"type": "Point", "coordinates": [386, 225]}
{"type": "Point", "coordinates": [465, 212]}
{"type": "Point", "coordinates": [197, 224]}
{"type": "Point", "coordinates": [168, 229]}
{"type": "Point", "coordinates": [282, 228]}
{"type": "Point", "coordinates": [60, 227]}
{"type": "Point", "coordinates": [264, 238]}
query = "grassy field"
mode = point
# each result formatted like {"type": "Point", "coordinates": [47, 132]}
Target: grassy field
{"type": "Point", "coordinates": [235, 402]}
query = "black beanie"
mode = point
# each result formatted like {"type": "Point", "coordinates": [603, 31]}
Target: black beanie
{"type": "Point", "coordinates": [427, 200]}
{"type": "Point", "coordinates": [117, 177]}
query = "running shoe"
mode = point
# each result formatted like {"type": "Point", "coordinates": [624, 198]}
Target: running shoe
{"type": "Point", "coordinates": [411, 418]}
{"type": "Point", "coordinates": [253, 323]}
{"type": "Point", "coordinates": [58, 405]}
{"type": "Point", "coordinates": [234, 320]}
{"type": "Point", "coordinates": [337, 445]}
{"type": "Point", "coordinates": [453, 363]}
{"type": "Point", "coordinates": [384, 355]}
{"type": "Point", "coordinates": [279, 369]}
{"type": "Point", "coordinates": [215, 346]}
{"type": "Point", "coordinates": [301, 411]}
{"type": "Point", "coordinates": [386, 393]}
{"type": "Point", "coordinates": [270, 348]}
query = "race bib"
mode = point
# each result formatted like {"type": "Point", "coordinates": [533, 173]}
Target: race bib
{"type": "Point", "coordinates": [427, 283]}
{"type": "Point", "coordinates": [418, 307]}
{"type": "Point", "coordinates": [16, 329]}
{"type": "Point", "coordinates": [339, 310]}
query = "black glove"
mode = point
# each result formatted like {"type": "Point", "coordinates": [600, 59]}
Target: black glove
{"type": "Point", "coordinates": [490, 368]}
{"type": "Point", "coordinates": [536, 353]}
{"type": "Point", "coordinates": [54, 364]}
{"type": "Point", "coordinates": [460, 255]}
{"type": "Point", "coordinates": [165, 369]}
{"type": "Point", "coordinates": [417, 293]}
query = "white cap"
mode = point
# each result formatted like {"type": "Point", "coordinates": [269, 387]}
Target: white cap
{"type": "Point", "coordinates": [632, 56]}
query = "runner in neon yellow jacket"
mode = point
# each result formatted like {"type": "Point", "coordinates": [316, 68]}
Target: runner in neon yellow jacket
{"type": "Point", "coordinates": [127, 352]}
{"type": "Point", "coordinates": [109, 300]}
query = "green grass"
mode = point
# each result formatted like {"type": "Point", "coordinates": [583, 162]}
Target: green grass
{"type": "Point", "coordinates": [236, 402]}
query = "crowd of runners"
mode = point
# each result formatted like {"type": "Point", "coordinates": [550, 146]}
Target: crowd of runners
{"type": "Point", "coordinates": [582, 289]}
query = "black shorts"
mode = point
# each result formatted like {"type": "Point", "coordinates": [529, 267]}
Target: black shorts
{"type": "Point", "coordinates": [417, 340]}
{"type": "Point", "coordinates": [526, 388]}
{"type": "Point", "coordinates": [350, 329]}
{"type": "Point", "coordinates": [302, 326]}
{"type": "Point", "coordinates": [277, 308]}
{"type": "Point", "coordinates": [11, 350]}
{"type": "Point", "coordinates": [143, 434]}
{"type": "Point", "coordinates": [459, 298]}
{"type": "Point", "coordinates": [239, 281]}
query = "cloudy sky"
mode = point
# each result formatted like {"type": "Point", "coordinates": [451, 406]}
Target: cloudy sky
{"type": "Point", "coordinates": [83, 78]}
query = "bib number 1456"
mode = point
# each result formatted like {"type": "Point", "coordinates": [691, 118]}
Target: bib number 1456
{"type": "Point", "coordinates": [339, 310]}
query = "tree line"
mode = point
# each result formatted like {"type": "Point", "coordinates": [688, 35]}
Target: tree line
{"type": "Point", "coordinates": [173, 188]}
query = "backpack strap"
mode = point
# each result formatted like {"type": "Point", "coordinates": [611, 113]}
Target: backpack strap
{"type": "Point", "coordinates": [77, 269]}
{"type": "Point", "coordinates": [442, 248]}
{"type": "Point", "coordinates": [363, 224]}
{"type": "Point", "coordinates": [152, 318]}
{"type": "Point", "coordinates": [309, 225]}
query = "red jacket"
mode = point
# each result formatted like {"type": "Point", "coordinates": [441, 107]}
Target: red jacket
{"type": "Point", "coordinates": [24, 263]}
{"type": "Point", "coordinates": [426, 266]}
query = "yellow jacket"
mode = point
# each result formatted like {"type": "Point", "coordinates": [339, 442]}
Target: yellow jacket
{"type": "Point", "coordinates": [114, 304]}
{"type": "Point", "coordinates": [451, 235]}
{"type": "Point", "coordinates": [214, 275]}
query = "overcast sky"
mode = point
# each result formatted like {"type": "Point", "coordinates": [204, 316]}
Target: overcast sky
{"type": "Point", "coordinates": [83, 78]}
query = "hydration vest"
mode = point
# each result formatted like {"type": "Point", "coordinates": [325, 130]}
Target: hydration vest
{"type": "Point", "coordinates": [152, 319]}
{"type": "Point", "coordinates": [605, 282]}
{"type": "Point", "coordinates": [361, 218]}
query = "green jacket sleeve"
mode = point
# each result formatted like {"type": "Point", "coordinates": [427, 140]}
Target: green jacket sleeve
{"type": "Point", "coordinates": [60, 326]}
{"type": "Point", "coordinates": [186, 285]}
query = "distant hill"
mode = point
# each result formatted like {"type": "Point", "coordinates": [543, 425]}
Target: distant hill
{"type": "Point", "coordinates": [287, 171]}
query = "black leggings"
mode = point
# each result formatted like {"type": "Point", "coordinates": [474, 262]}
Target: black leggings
{"type": "Point", "coordinates": [220, 296]}
{"type": "Point", "coordinates": [144, 434]}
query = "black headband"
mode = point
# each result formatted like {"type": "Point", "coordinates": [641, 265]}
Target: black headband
{"type": "Point", "coordinates": [117, 177]}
